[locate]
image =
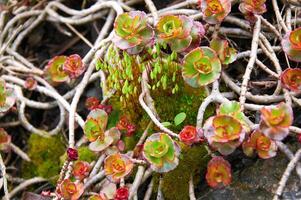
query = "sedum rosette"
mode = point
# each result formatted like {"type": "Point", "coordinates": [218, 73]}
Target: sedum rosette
{"type": "Point", "coordinates": [218, 172]}
{"type": "Point", "coordinates": [291, 44]}
{"type": "Point", "coordinates": [215, 10]}
{"type": "Point", "coordinates": [131, 32]}
{"type": "Point", "coordinates": [54, 71]}
{"type": "Point", "coordinates": [180, 32]}
{"type": "Point", "coordinates": [201, 67]}
{"type": "Point", "coordinates": [117, 166]}
{"type": "Point", "coordinates": [70, 190]}
{"type": "Point", "coordinates": [291, 79]}
{"type": "Point", "coordinates": [190, 135]}
{"type": "Point", "coordinates": [74, 66]}
{"type": "Point", "coordinates": [276, 120]}
{"type": "Point", "coordinates": [161, 152]}
{"type": "Point", "coordinates": [81, 170]}
{"type": "Point", "coordinates": [94, 130]}
{"type": "Point", "coordinates": [250, 8]}
{"type": "Point", "coordinates": [7, 97]}
{"type": "Point", "coordinates": [224, 133]}
{"type": "Point", "coordinates": [226, 54]}
{"type": "Point", "coordinates": [264, 146]}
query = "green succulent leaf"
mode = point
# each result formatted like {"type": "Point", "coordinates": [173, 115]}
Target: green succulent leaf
{"type": "Point", "coordinates": [179, 118]}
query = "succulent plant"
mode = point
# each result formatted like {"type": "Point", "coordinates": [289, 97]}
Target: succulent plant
{"type": "Point", "coordinates": [180, 32]}
{"type": "Point", "coordinates": [117, 166]}
{"type": "Point", "coordinates": [224, 133]}
{"type": "Point", "coordinates": [225, 53]}
{"type": "Point", "coordinates": [264, 146]}
{"type": "Point", "coordinates": [74, 66]}
{"type": "Point", "coordinates": [276, 120]}
{"type": "Point", "coordinates": [218, 172]}
{"type": "Point", "coordinates": [201, 67]}
{"type": "Point", "coordinates": [7, 97]}
{"type": "Point", "coordinates": [131, 32]}
{"type": "Point", "coordinates": [54, 71]}
{"type": "Point", "coordinates": [291, 79]}
{"type": "Point", "coordinates": [250, 8]}
{"type": "Point", "coordinates": [190, 135]}
{"type": "Point", "coordinates": [5, 140]}
{"type": "Point", "coordinates": [95, 130]}
{"type": "Point", "coordinates": [81, 170]}
{"type": "Point", "coordinates": [161, 152]}
{"type": "Point", "coordinates": [70, 190]}
{"type": "Point", "coordinates": [291, 44]}
{"type": "Point", "coordinates": [233, 109]}
{"type": "Point", "coordinates": [215, 10]}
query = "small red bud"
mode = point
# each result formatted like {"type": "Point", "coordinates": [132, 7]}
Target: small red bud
{"type": "Point", "coordinates": [72, 154]}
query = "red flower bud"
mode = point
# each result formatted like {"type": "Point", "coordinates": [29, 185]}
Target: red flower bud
{"type": "Point", "coordinates": [122, 194]}
{"type": "Point", "coordinates": [72, 154]}
{"type": "Point", "coordinates": [190, 135]}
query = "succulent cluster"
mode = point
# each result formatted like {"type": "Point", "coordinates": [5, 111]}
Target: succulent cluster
{"type": "Point", "coordinates": [291, 44]}
{"type": "Point", "coordinates": [291, 79]}
{"type": "Point", "coordinates": [70, 190]}
{"type": "Point", "coordinates": [215, 10]}
{"type": "Point", "coordinates": [161, 152]}
{"type": "Point", "coordinates": [276, 120]}
{"type": "Point", "coordinates": [7, 97]}
{"type": "Point", "coordinates": [117, 166]}
{"type": "Point", "coordinates": [201, 67]}
{"type": "Point", "coordinates": [96, 133]}
{"type": "Point", "coordinates": [226, 54]}
{"type": "Point", "coordinates": [132, 32]}
{"type": "Point", "coordinates": [250, 8]}
{"type": "Point", "coordinates": [227, 130]}
{"type": "Point", "coordinates": [63, 68]}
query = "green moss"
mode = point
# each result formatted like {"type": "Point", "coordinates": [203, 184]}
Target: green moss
{"type": "Point", "coordinates": [44, 153]}
{"type": "Point", "coordinates": [192, 161]}
{"type": "Point", "coordinates": [187, 100]}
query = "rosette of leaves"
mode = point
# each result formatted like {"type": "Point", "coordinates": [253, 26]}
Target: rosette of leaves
{"type": "Point", "coordinates": [5, 140]}
{"type": "Point", "coordinates": [264, 146]}
{"type": "Point", "coordinates": [70, 190]}
{"type": "Point", "coordinates": [180, 32]}
{"type": "Point", "coordinates": [161, 152]}
{"type": "Point", "coordinates": [291, 79]}
{"type": "Point", "coordinates": [190, 135]}
{"type": "Point", "coordinates": [291, 44]}
{"type": "Point", "coordinates": [54, 71]}
{"type": "Point", "coordinates": [132, 32]}
{"type": "Point", "coordinates": [226, 54]}
{"type": "Point", "coordinates": [215, 10]}
{"type": "Point", "coordinates": [74, 66]}
{"type": "Point", "coordinates": [250, 8]}
{"type": "Point", "coordinates": [276, 120]}
{"type": "Point", "coordinates": [224, 133]}
{"type": "Point", "coordinates": [94, 130]}
{"type": "Point", "coordinates": [201, 67]}
{"type": "Point", "coordinates": [233, 109]}
{"type": "Point", "coordinates": [7, 97]}
{"type": "Point", "coordinates": [81, 169]}
{"type": "Point", "coordinates": [218, 172]}
{"type": "Point", "coordinates": [117, 166]}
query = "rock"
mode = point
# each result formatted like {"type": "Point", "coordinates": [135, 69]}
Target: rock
{"type": "Point", "coordinates": [258, 181]}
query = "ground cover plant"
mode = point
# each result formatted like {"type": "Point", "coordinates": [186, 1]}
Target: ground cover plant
{"type": "Point", "coordinates": [145, 99]}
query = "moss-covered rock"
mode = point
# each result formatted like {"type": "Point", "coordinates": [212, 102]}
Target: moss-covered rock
{"type": "Point", "coordinates": [44, 154]}
{"type": "Point", "coordinates": [175, 184]}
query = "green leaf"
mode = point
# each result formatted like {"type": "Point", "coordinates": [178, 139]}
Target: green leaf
{"type": "Point", "coordinates": [166, 124]}
{"type": "Point", "coordinates": [179, 118]}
